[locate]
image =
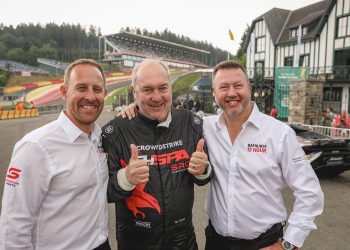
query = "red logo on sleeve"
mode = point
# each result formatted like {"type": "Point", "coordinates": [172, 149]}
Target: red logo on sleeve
{"type": "Point", "coordinates": [13, 173]}
{"type": "Point", "coordinates": [12, 176]}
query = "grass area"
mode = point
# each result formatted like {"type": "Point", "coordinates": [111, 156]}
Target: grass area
{"type": "Point", "coordinates": [120, 91]}
{"type": "Point", "coordinates": [183, 83]}
{"type": "Point", "coordinates": [20, 80]}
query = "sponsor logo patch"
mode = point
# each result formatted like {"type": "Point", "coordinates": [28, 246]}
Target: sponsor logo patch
{"type": "Point", "coordinates": [13, 174]}
{"type": "Point", "coordinates": [196, 120]}
{"type": "Point", "coordinates": [299, 158]}
{"type": "Point", "coordinates": [109, 129]}
{"type": "Point", "coordinates": [257, 148]}
{"type": "Point", "coordinates": [145, 224]}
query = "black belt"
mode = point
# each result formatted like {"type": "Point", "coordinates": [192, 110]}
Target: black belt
{"type": "Point", "coordinates": [104, 246]}
{"type": "Point", "coordinates": [271, 236]}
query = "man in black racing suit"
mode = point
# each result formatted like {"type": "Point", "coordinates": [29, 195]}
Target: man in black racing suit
{"type": "Point", "coordinates": [154, 161]}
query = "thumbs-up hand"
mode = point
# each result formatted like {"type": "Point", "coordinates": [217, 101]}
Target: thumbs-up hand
{"type": "Point", "coordinates": [198, 160]}
{"type": "Point", "coordinates": [137, 171]}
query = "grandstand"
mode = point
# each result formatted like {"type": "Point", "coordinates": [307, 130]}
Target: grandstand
{"type": "Point", "coordinates": [127, 49]}
{"type": "Point", "coordinates": [53, 66]}
{"type": "Point", "coordinates": [20, 68]}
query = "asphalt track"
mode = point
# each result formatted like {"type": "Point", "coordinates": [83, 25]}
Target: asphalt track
{"type": "Point", "coordinates": [333, 226]}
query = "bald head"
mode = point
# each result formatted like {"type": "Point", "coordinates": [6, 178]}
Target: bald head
{"type": "Point", "coordinates": [144, 66]}
{"type": "Point", "coordinates": [152, 89]}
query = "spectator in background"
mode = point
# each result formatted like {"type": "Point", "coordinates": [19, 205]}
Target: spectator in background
{"type": "Point", "coordinates": [179, 105]}
{"type": "Point", "coordinates": [342, 120]}
{"type": "Point", "coordinates": [32, 106]}
{"type": "Point", "coordinates": [21, 106]}
{"type": "Point", "coordinates": [190, 104]}
{"type": "Point", "coordinates": [273, 112]}
{"type": "Point", "coordinates": [328, 117]}
{"type": "Point", "coordinates": [202, 105]}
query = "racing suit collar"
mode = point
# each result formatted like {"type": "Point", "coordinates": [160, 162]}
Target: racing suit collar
{"type": "Point", "coordinates": [165, 124]}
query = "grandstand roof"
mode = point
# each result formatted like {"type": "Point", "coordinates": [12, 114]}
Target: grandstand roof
{"type": "Point", "coordinates": [136, 37]}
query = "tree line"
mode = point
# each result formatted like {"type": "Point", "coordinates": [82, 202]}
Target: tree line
{"type": "Point", "coordinates": [68, 42]}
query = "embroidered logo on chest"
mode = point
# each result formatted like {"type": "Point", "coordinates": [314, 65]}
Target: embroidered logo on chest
{"type": "Point", "coordinates": [257, 148]}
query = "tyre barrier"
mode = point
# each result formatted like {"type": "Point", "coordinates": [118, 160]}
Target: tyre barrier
{"type": "Point", "coordinates": [16, 114]}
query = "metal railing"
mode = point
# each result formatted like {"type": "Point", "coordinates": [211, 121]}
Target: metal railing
{"type": "Point", "coordinates": [336, 72]}
{"type": "Point", "coordinates": [335, 133]}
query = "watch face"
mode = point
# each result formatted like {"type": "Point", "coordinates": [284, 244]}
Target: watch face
{"type": "Point", "coordinates": [286, 245]}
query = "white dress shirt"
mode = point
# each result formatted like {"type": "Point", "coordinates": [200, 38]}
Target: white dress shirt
{"type": "Point", "coordinates": [55, 190]}
{"type": "Point", "coordinates": [244, 198]}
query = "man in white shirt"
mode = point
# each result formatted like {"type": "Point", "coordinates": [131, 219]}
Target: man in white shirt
{"type": "Point", "coordinates": [254, 157]}
{"type": "Point", "coordinates": [56, 184]}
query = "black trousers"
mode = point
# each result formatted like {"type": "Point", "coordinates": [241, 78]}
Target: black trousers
{"type": "Point", "coordinates": [215, 241]}
{"type": "Point", "coordinates": [104, 246]}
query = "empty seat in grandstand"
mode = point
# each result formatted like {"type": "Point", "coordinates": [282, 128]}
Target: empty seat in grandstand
{"type": "Point", "coordinates": [4, 115]}
{"type": "Point", "coordinates": [11, 114]}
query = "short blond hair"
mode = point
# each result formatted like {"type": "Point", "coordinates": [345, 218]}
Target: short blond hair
{"type": "Point", "coordinates": [69, 69]}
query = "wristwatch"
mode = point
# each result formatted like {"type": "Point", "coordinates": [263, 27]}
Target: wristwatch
{"type": "Point", "coordinates": [288, 246]}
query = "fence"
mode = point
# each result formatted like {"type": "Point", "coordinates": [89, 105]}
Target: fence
{"type": "Point", "coordinates": [335, 133]}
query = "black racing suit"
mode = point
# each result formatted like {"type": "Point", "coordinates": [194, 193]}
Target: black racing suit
{"type": "Point", "coordinates": [158, 214]}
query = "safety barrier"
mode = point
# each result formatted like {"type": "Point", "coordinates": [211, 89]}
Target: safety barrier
{"type": "Point", "coordinates": [336, 133]}
{"type": "Point", "coordinates": [16, 114]}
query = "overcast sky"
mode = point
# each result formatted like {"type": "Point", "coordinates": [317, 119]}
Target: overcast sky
{"type": "Point", "coordinates": [206, 20]}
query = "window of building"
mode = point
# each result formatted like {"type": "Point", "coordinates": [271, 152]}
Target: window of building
{"type": "Point", "coordinates": [304, 60]}
{"type": "Point", "coordinates": [304, 31]}
{"type": "Point", "coordinates": [260, 44]}
{"type": "Point", "coordinates": [343, 26]}
{"type": "Point", "coordinates": [342, 57]}
{"type": "Point", "coordinates": [288, 61]}
{"type": "Point", "coordinates": [259, 69]}
{"type": "Point", "coordinates": [293, 33]}
{"type": "Point", "coordinates": [332, 98]}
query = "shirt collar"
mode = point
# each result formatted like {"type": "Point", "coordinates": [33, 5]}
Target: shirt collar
{"type": "Point", "coordinates": [254, 118]}
{"type": "Point", "coordinates": [167, 121]}
{"type": "Point", "coordinates": [73, 132]}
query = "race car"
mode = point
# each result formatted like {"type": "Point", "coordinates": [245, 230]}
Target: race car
{"type": "Point", "coordinates": [329, 157]}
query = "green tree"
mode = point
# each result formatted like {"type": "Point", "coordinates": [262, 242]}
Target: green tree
{"type": "Point", "coordinates": [47, 51]}
{"type": "Point", "coordinates": [8, 40]}
{"type": "Point", "coordinates": [32, 55]}
{"type": "Point", "coordinates": [241, 51]}
{"type": "Point", "coordinates": [3, 51]}
{"type": "Point", "coordinates": [16, 54]}
{"type": "Point", "coordinates": [3, 79]}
